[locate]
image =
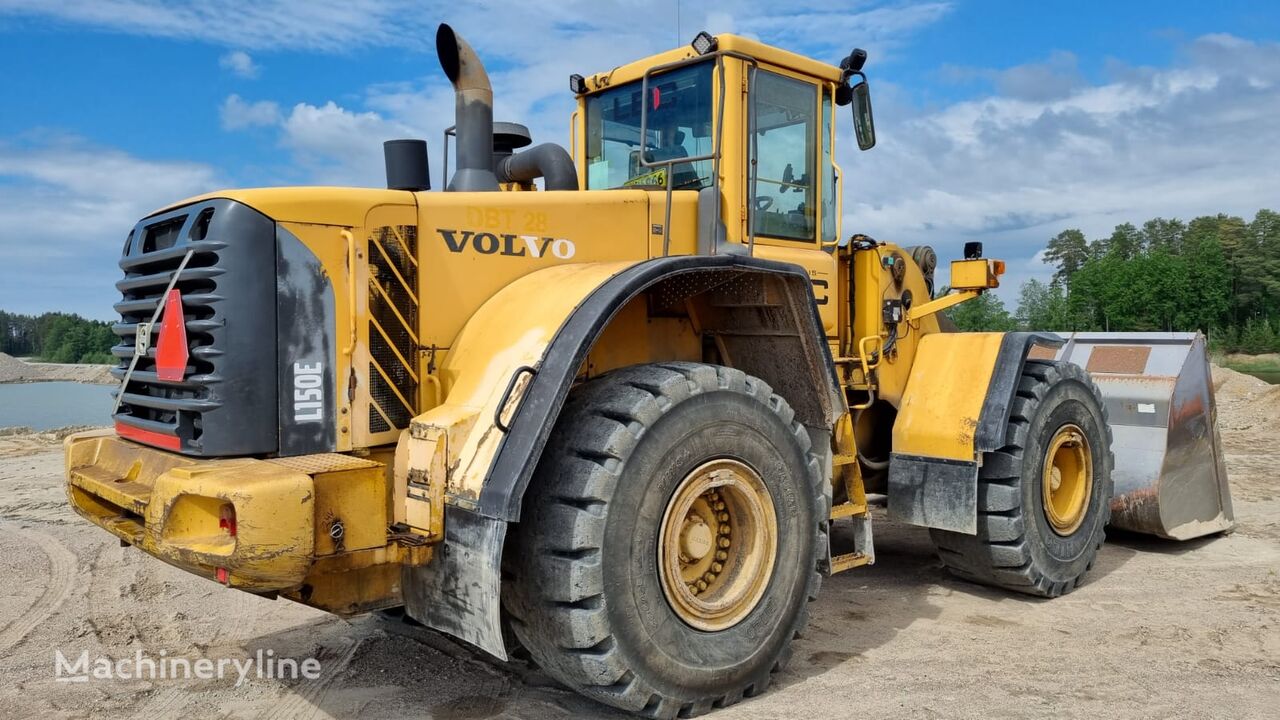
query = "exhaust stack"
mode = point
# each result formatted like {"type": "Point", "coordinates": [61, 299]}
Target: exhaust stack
{"type": "Point", "coordinates": [473, 113]}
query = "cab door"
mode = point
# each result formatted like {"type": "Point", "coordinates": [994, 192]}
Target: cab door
{"type": "Point", "coordinates": [792, 187]}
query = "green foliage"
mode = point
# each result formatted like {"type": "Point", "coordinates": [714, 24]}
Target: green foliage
{"type": "Point", "coordinates": [1257, 337]}
{"type": "Point", "coordinates": [56, 337]}
{"type": "Point", "coordinates": [1068, 250]}
{"type": "Point", "coordinates": [1044, 307]}
{"type": "Point", "coordinates": [1216, 274]}
{"type": "Point", "coordinates": [985, 313]}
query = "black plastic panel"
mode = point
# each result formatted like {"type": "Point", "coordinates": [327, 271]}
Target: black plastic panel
{"type": "Point", "coordinates": [225, 403]}
{"type": "Point", "coordinates": [307, 351]}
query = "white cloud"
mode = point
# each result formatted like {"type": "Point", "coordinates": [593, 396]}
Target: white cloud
{"type": "Point", "coordinates": [531, 81]}
{"type": "Point", "coordinates": [343, 25]}
{"type": "Point", "coordinates": [330, 25]}
{"type": "Point", "coordinates": [1196, 138]}
{"type": "Point", "coordinates": [64, 213]}
{"type": "Point", "coordinates": [239, 63]}
{"type": "Point", "coordinates": [338, 146]}
{"type": "Point", "coordinates": [236, 114]}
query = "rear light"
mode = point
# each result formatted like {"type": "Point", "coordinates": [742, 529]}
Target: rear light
{"type": "Point", "coordinates": [227, 519]}
{"type": "Point", "coordinates": [222, 576]}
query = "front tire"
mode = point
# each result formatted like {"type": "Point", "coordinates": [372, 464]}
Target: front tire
{"type": "Point", "coordinates": [652, 472]}
{"type": "Point", "coordinates": [1044, 498]}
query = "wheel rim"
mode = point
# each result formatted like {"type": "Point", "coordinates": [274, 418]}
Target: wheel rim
{"type": "Point", "coordinates": [1067, 480]}
{"type": "Point", "coordinates": [717, 545]}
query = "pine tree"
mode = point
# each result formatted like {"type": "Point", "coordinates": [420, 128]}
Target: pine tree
{"type": "Point", "coordinates": [1067, 252]}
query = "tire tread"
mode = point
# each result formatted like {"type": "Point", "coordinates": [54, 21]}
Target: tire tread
{"type": "Point", "coordinates": [600, 425]}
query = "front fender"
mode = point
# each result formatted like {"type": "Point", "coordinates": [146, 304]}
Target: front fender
{"type": "Point", "coordinates": [954, 409]}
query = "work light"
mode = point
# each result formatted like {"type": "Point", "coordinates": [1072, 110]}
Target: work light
{"type": "Point", "coordinates": [704, 43]}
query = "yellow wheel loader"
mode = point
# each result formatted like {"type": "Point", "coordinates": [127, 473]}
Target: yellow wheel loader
{"type": "Point", "coordinates": [606, 401]}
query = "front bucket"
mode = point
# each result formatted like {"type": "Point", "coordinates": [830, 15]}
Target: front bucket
{"type": "Point", "coordinates": [1169, 475]}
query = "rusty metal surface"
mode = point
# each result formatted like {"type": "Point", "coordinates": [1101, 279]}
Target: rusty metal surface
{"type": "Point", "coordinates": [1119, 359]}
{"type": "Point", "coordinates": [1169, 475]}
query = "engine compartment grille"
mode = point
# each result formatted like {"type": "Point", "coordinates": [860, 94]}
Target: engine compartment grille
{"type": "Point", "coordinates": [393, 322]}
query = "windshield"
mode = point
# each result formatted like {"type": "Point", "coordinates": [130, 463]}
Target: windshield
{"type": "Point", "coordinates": [678, 125]}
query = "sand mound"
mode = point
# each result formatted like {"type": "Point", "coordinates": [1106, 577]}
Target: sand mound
{"type": "Point", "coordinates": [1232, 385]}
{"type": "Point", "coordinates": [12, 369]}
{"type": "Point", "coordinates": [1248, 409]}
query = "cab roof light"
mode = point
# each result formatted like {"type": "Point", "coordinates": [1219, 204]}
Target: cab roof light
{"type": "Point", "coordinates": [704, 42]}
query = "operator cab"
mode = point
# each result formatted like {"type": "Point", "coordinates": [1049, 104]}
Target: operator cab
{"type": "Point", "coordinates": [668, 123]}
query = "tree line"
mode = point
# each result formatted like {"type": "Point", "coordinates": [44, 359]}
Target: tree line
{"type": "Point", "coordinates": [1217, 274]}
{"type": "Point", "coordinates": [56, 337]}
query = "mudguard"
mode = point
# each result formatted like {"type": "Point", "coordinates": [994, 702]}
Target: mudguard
{"type": "Point", "coordinates": [513, 365]}
{"type": "Point", "coordinates": [955, 407]}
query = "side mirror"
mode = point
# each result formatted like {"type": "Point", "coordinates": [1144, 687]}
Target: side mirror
{"type": "Point", "coordinates": [864, 126]}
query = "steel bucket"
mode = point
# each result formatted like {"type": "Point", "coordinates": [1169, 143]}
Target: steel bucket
{"type": "Point", "coordinates": [1169, 474]}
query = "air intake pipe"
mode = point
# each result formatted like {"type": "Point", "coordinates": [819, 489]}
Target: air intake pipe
{"type": "Point", "coordinates": [547, 161]}
{"type": "Point", "coordinates": [473, 113]}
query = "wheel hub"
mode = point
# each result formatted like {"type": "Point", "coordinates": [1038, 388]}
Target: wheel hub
{"type": "Point", "coordinates": [1067, 479]}
{"type": "Point", "coordinates": [717, 545]}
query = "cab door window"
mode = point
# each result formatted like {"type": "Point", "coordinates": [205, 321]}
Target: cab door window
{"type": "Point", "coordinates": [785, 129]}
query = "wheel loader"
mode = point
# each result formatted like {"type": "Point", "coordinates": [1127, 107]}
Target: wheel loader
{"type": "Point", "coordinates": [605, 403]}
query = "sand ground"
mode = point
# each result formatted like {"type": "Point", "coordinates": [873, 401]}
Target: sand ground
{"type": "Point", "coordinates": [1159, 630]}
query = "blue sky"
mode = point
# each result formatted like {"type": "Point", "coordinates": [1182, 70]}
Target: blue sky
{"type": "Point", "coordinates": [1001, 121]}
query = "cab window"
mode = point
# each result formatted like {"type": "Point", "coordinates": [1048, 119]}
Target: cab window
{"type": "Point", "coordinates": [677, 125]}
{"type": "Point", "coordinates": [785, 133]}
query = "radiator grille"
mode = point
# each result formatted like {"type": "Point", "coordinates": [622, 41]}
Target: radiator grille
{"type": "Point", "coordinates": [152, 254]}
{"type": "Point", "coordinates": [393, 323]}
{"type": "Point", "coordinates": [225, 400]}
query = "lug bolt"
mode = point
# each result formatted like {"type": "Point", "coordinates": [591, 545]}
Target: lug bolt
{"type": "Point", "coordinates": [702, 585]}
{"type": "Point", "coordinates": [722, 555]}
{"type": "Point", "coordinates": [708, 576]}
{"type": "Point", "coordinates": [724, 529]}
{"type": "Point", "coordinates": [723, 517]}
{"type": "Point", "coordinates": [694, 589]}
{"type": "Point", "coordinates": [719, 506]}
{"type": "Point", "coordinates": [724, 543]}
{"type": "Point", "coordinates": [717, 567]}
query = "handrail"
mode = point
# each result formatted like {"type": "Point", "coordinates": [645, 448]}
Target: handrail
{"type": "Point", "coordinates": [718, 118]}
{"type": "Point", "coordinates": [350, 349]}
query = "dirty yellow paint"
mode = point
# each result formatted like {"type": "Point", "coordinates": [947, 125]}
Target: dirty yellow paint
{"type": "Point", "coordinates": [940, 408]}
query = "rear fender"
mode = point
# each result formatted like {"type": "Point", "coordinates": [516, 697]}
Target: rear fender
{"type": "Point", "coordinates": [513, 365]}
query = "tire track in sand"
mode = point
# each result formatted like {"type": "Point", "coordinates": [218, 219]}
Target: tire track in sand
{"type": "Point", "coordinates": [62, 574]}
{"type": "Point", "coordinates": [308, 703]}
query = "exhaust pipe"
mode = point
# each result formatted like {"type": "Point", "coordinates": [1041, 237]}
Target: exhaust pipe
{"type": "Point", "coordinates": [473, 113]}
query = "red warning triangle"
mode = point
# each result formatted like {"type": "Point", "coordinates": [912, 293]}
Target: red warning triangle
{"type": "Point", "coordinates": [171, 349]}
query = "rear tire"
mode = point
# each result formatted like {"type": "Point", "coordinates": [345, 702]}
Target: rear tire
{"type": "Point", "coordinates": [1033, 539]}
{"type": "Point", "coordinates": [590, 597]}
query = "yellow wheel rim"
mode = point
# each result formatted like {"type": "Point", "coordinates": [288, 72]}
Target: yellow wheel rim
{"type": "Point", "coordinates": [1067, 480]}
{"type": "Point", "coordinates": [717, 545]}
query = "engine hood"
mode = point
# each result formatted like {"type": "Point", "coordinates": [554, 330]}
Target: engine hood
{"type": "Point", "coordinates": [316, 205]}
